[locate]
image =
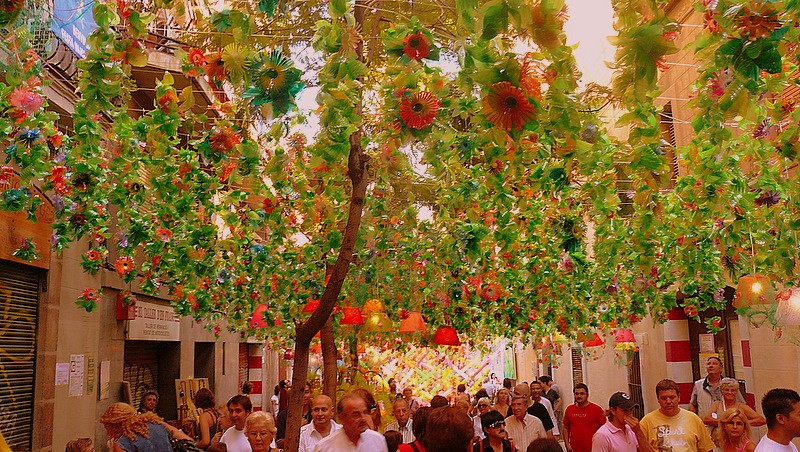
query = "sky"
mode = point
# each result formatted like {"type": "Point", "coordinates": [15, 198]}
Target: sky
{"type": "Point", "coordinates": [590, 25]}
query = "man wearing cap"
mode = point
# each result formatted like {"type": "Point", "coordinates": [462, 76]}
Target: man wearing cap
{"type": "Point", "coordinates": [621, 433]}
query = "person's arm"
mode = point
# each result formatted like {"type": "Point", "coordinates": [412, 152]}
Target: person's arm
{"type": "Point", "coordinates": [565, 436]}
{"type": "Point", "coordinates": [175, 432]}
{"type": "Point", "coordinates": [756, 420]}
{"type": "Point", "coordinates": [693, 400]}
{"type": "Point", "coordinates": [710, 418]}
{"type": "Point", "coordinates": [558, 403]}
{"type": "Point", "coordinates": [643, 444]}
{"type": "Point", "coordinates": [205, 431]}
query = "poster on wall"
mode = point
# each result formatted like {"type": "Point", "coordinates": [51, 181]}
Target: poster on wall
{"type": "Point", "coordinates": [76, 375]}
{"type": "Point", "coordinates": [509, 363]}
{"type": "Point", "coordinates": [62, 374]}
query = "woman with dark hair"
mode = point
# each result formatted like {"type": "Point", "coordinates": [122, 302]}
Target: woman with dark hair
{"type": "Point", "coordinates": [372, 406]}
{"type": "Point", "coordinates": [494, 427]}
{"type": "Point", "coordinates": [393, 440]}
{"type": "Point", "coordinates": [418, 425]}
{"type": "Point", "coordinates": [149, 402]}
{"type": "Point", "coordinates": [208, 422]}
{"type": "Point", "coordinates": [544, 445]}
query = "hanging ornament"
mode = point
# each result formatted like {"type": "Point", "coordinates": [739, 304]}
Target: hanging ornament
{"type": "Point", "coordinates": [352, 316]}
{"type": "Point", "coordinates": [507, 107]}
{"type": "Point", "coordinates": [788, 313]}
{"type": "Point", "coordinates": [378, 322]}
{"type": "Point", "coordinates": [412, 323]}
{"type": "Point", "coordinates": [447, 335]}
{"type": "Point", "coordinates": [257, 319]}
{"type": "Point", "coordinates": [372, 305]}
{"type": "Point", "coordinates": [418, 110]}
{"type": "Point", "coordinates": [624, 339]}
{"type": "Point", "coordinates": [288, 355]}
{"type": "Point", "coordinates": [311, 306]}
{"type": "Point", "coordinates": [754, 290]}
{"type": "Point", "coordinates": [595, 341]}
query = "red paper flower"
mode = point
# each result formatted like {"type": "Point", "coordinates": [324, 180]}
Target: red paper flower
{"type": "Point", "coordinates": [416, 46]}
{"type": "Point", "coordinates": [167, 100]}
{"type": "Point", "coordinates": [59, 182]}
{"type": "Point", "coordinates": [196, 57]}
{"type": "Point", "coordinates": [507, 107]}
{"type": "Point", "coordinates": [491, 291]}
{"type": "Point", "coordinates": [90, 294]}
{"type": "Point", "coordinates": [124, 265]}
{"type": "Point", "coordinates": [93, 255]}
{"type": "Point", "coordinates": [223, 139]}
{"type": "Point", "coordinates": [418, 110]}
{"type": "Point", "coordinates": [164, 234]}
{"type": "Point", "coordinates": [270, 205]}
{"type": "Point", "coordinates": [25, 100]}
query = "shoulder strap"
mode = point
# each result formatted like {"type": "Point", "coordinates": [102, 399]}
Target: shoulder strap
{"type": "Point", "coordinates": [414, 446]}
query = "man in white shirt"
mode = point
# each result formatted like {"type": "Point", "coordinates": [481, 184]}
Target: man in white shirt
{"type": "Point", "coordinates": [782, 409]}
{"type": "Point", "coordinates": [239, 407]}
{"type": "Point", "coordinates": [354, 435]}
{"type": "Point", "coordinates": [536, 395]}
{"type": "Point", "coordinates": [321, 424]}
{"type": "Point", "coordinates": [522, 427]}
{"type": "Point", "coordinates": [403, 420]}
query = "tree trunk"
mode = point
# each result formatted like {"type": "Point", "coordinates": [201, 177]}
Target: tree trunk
{"type": "Point", "coordinates": [357, 163]}
{"type": "Point", "coordinates": [330, 374]}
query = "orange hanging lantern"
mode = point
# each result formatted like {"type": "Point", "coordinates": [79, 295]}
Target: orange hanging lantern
{"type": "Point", "coordinates": [753, 290]}
{"type": "Point", "coordinates": [624, 339]}
{"type": "Point", "coordinates": [412, 323]}
{"type": "Point", "coordinates": [311, 306]}
{"type": "Point", "coordinates": [596, 341]}
{"type": "Point", "coordinates": [788, 313]}
{"type": "Point", "coordinates": [378, 322]}
{"type": "Point", "coordinates": [446, 335]}
{"type": "Point", "coordinates": [316, 348]}
{"type": "Point", "coordinates": [372, 305]}
{"type": "Point", "coordinates": [352, 316]}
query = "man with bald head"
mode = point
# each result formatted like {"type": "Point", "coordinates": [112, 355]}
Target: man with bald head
{"type": "Point", "coordinates": [403, 420]}
{"type": "Point", "coordinates": [321, 425]}
{"type": "Point", "coordinates": [535, 408]}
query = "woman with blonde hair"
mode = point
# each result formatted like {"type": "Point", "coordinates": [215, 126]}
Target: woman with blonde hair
{"type": "Point", "coordinates": [733, 434]}
{"type": "Point", "coordinates": [503, 402]}
{"type": "Point", "coordinates": [729, 387]}
{"type": "Point", "coordinates": [133, 432]}
{"type": "Point", "coordinates": [260, 430]}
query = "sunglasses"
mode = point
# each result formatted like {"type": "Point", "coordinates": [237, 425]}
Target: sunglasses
{"type": "Point", "coordinates": [497, 424]}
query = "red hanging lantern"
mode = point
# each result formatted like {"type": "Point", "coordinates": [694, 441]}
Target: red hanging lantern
{"type": "Point", "coordinates": [311, 306]}
{"type": "Point", "coordinates": [288, 355]}
{"type": "Point", "coordinates": [412, 323]}
{"type": "Point", "coordinates": [446, 335]}
{"type": "Point", "coordinates": [316, 348]}
{"type": "Point", "coordinates": [352, 316]}
{"type": "Point", "coordinates": [597, 341]}
{"type": "Point", "coordinates": [257, 319]}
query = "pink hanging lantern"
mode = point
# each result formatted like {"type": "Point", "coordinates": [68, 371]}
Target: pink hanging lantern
{"type": "Point", "coordinates": [413, 323]}
{"type": "Point", "coordinates": [624, 339]}
{"type": "Point", "coordinates": [753, 290]}
{"type": "Point", "coordinates": [788, 313]}
{"type": "Point", "coordinates": [447, 335]}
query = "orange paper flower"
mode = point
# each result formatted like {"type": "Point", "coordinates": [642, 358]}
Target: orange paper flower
{"type": "Point", "coordinates": [507, 107]}
{"type": "Point", "coordinates": [418, 110]}
{"type": "Point", "coordinates": [124, 265]}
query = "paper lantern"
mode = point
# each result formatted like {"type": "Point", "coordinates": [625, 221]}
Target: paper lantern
{"type": "Point", "coordinates": [788, 313]}
{"type": "Point", "coordinates": [352, 316]}
{"type": "Point", "coordinates": [378, 322]}
{"type": "Point", "coordinates": [257, 319]}
{"type": "Point", "coordinates": [288, 354]}
{"type": "Point", "coordinates": [311, 306]}
{"type": "Point", "coordinates": [446, 335]}
{"type": "Point", "coordinates": [559, 338]}
{"type": "Point", "coordinates": [624, 339]}
{"type": "Point", "coordinates": [413, 323]}
{"type": "Point", "coordinates": [372, 305]}
{"type": "Point", "coordinates": [597, 341]}
{"type": "Point", "coordinates": [584, 335]}
{"type": "Point", "coordinates": [316, 348]}
{"type": "Point", "coordinates": [753, 290]}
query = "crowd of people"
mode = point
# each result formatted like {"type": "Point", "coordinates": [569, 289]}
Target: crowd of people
{"type": "Point", "coordinates": [521, 418]}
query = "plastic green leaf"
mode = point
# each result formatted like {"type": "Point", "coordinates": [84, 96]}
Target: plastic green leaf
{"type": "Point", "coordinates": [495, 19]}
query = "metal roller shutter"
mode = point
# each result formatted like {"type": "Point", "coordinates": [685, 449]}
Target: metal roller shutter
{"type": "Point", "coordinates": [141, 368]}
{"type": "Point", "coordinates": [19, 300]}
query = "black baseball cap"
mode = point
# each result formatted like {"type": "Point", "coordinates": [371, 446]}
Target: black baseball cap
{"type": "Point", "coordinates": [622, 400]}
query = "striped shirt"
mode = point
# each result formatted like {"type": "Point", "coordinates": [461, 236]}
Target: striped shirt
{"type": "Point", "coordinates": [522, 433]}
{"type": "Point", "coordinates": [405, 430]}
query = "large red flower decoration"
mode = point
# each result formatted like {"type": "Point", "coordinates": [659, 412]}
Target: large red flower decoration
{"type": "Point", "coordinates": [418, 110]}
{"type": "Point", "coordinates": [223, 139]}
{"type": "Point", "coordinates": [416, 46]}
{"type": "Point", "coordinates": [507, 107]}
{"type": "Point", "coordinates": [491, 291]}
{"type": "Point", "coordinates": [124, 265]}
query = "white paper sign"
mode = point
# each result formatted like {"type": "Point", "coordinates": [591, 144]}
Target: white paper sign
{"type": "Point", "coordinates": [76, 371]}
{"type": "Point", "coordinates": [707, 343]}
{"type": "Point", "coordinates": [105, 379]}
{"type": "Point", "coordinates": [154, 322]}
{"type": "Point", "coordinates": [62, 374]}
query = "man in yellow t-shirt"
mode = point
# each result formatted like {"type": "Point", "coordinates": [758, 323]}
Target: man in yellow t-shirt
{"type": "Point", "coordinates": [671, 428]}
